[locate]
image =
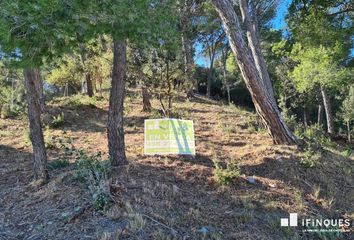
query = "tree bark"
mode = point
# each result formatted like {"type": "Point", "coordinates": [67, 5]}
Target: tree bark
{"type": "Point", "coordinates": [328, 110]}
{"type": "Point", "coordinates": [146, 99]}
{"type": "Point", "coordinates": [89, 84]}
{"type": "Point", "coordinates": [306, 117]}
{"type": "Point", "coordinates": [210, 73]}
{"type": "Point", "coordinates": [32, 79]}
{"type": "Point", "coordinates": [187, 44]}
{"type": "Point", "coordinates": [265, 105]}
{"type": "Point", "coordinates": [319, 115]}
{"type": "Point", "coordinates": [251, 24]}
{"type": "Point", "coordinates": [39, 89]}
{"type": "Point", "coordinates": [88, 79]}
{"type": "Point", "coordinates": [225, 53]}
{"type": "Point", "coordinates": [115, 130]}
{"type": "Point", "coordinates": [349, 131]}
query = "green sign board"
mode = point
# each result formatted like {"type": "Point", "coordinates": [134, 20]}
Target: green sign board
{"type": "Point", "coordinates": [169, 136]}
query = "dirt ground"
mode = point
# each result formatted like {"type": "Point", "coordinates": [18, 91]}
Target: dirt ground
{"type": "Point", "coordinates": [170, 197]}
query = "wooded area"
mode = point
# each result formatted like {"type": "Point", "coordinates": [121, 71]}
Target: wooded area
{"type": "Point", "coordinates": [270, 102]}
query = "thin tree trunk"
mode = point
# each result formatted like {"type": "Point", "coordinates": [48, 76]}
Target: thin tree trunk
{"type": "Point", "coordinates": [115, 130]}
{"type": "Point", "coordinates": [228, 94]}
{"type": "Point", "coordinates": [146, 99]}
{"type": "Point", "coordinates": [349, 131]}
{"type": "Point", "coordinates": [328, 110]}
{"type": "Point", "coordinates": [186, 24]}
{"type": "Point", "coordinates": [169, 88]}
{"type": "Point", "coordinates": [12, 95]}
{"type": "Point", "coordinates": [34, 115]}
{"type": "Point", "coordinates": [319, 115]}
{"type": "Point", "coordinates": [89, 84]}
{"type": "Point", "coordinates": [265, 105]}
{"type": "Point", "coordinates": [88, 79]}
{"type": "Point", "coordinates": [253, 37]}
{"type": "Point", "coordinates": [210, 74]}
{"type": "Point", "coordinates": [306, 117]}
{"type": "Point", "coordinates": [225, 52]}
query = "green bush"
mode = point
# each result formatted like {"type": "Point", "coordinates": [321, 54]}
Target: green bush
{"type": "Point", "coordinates": [225, 175]}
{"type": "Point", "coordinates": [58, 163]}
{"type": "Point", "coordinates": [310, 158]}
{"type": "Point", "coordinates": [95, 173]}
{"type": "Point", "coordinates": [57, 121]}
{"type": "Point", "coordinates": [347, 152]}
{"type": "Point", "coordinates": [315, 137]}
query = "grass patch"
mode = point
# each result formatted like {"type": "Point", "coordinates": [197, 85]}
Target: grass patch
{"type": "Point", "coordinates": [225, 175]}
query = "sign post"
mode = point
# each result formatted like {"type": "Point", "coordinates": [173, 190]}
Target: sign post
{"type": "Point", "coordinates": [169, 136]}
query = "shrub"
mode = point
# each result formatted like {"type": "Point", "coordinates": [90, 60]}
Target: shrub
{"type": "Point", "coordinates": [78, 101]}
{"type": "Point", "coordinates": [57, 121]}
{"type": "Point", "coordinates": [310, 158]}
{"type": "Point", "coordinates": [5, 111]}
{"type": "Point", "coordinates": [225, 175]}
{"type": "Point", "coordinates": [58, 163]}
{"type": "Point", "coordinates": [95, 174]}
{"type": "Point", "coordinates": [347, 152]}
{"type": "Point", "coordinates": [254, 124]}
{"type": "Point", "coordinates": [315, 137]}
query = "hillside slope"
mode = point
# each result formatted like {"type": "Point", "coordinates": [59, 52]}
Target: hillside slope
{"type": "Point", "coordinates": [166, 197]}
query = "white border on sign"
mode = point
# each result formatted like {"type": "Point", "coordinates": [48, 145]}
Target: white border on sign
{"type": "Point", "coordinates": [168, 153]}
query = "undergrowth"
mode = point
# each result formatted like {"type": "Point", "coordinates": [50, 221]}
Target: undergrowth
{"type": "Point", "coordinates": [225, 175]}
{"type": "Point", "coordinates": [95, 174]}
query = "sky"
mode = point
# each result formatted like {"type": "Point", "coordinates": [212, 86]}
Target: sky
{"type": "Point", "coordinates": [277, 23]}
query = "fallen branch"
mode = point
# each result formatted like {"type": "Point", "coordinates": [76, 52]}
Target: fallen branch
{"type": "Point", "coordinates": [174, 232]}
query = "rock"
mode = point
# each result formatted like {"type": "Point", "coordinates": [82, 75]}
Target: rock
{"type": "Point", "coordinates": [251, 180]}
{"type": "Point", "coordinates": [203, 230]}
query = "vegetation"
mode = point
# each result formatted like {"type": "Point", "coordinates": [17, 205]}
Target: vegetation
{"type": "Point", "coordinates": [272, 108]}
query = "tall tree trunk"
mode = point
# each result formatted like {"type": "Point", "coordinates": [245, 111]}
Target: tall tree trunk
{"type": "Point", "coordinates": [228, 94]}
{"type": "Point", "coordinates": [306, 117]}
{"type": "Point", "coordinates": [187, 45]}
{"type": "Point", "coordinates": [88, 79]}
{"type": "Point", "coordinates": [39, 89]}
{"type": "Point", "coordinates": [89, 84]}
{"type": "Point", "coordinates": [169, 88]}
{"type": "Point", "coordinates": [251, 24]}
{"type": "Point", "coordinates": [115, 130]}
{"type": "Point", "coordinates": [265, 105]}
{"type": "Point", "coordinates": [210, 74]}
{"type": "Point", "coordinates": [328, 110]}
{"type": "Point", "coordinates": [34, 115]}
{"type": "Point", "coordinates": [225, 53]}
{"type": "Point", "coordinates": [319, 115]}
{"type": "Point", "coordinates": [349, 131]}
{"type": "Point", "coordinates": [146, 99]}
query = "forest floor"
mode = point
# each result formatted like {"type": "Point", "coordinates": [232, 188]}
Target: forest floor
{"type": "Point", "coordinates": [169, 197]}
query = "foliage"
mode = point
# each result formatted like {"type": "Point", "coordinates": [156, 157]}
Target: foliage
{"type": "Point", "coordinates": [58, 163]}
{"type": "Point", "coordinates": [31, 32]}
{"type": "Point", "coordinates": [225, 175]}
{"type": "Point", "coordinates": [11, 91]}
{"type": "Point", "coordinates": [310, 158]}
{"type": "Point", "coordinates": [95, 174]}
{"type": "Point", "coordinates": [347, 110]}
{"type": "Point", "coordinates": [67, 72]}
{"type": "Point", "coordinates": [316, 66]}
{"type": "Point", "coordinates": [58, 121]}
{"type": "Point", "coordinates": [314, 137]}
